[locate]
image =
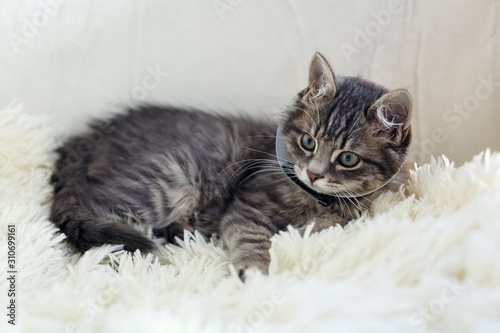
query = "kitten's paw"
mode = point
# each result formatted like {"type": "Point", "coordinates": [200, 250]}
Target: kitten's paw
{"type": "Point", "coordinates": [241, 275]}
{"type": "Point", "coordinates": [244, 270]}
{"type": "Point", "coordinates": [321, 224]}
{"type": "Point", "coordinates": [173, 231]}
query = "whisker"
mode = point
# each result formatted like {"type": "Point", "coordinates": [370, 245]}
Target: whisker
{"type": "Point", "coordinates": [253, 181]}
{"type": "Point", "coordinates": [354, 202]}
{"type": "Point", "coordinates": [353, 125]}
{"type": "Point", "coordinates": [301, 109]}
{"type": "Point", "coordinates": [257, 136]}
{"type": "Point", "coordinates": [279, 180]}
{"type": "Point", "coordinates": [250, 166]}
{"type": "Point", "coordinates": [265, 152]}
{"type": "Point", "coordinates": [358, 195]}
{"type": "Point", "coordinates": [348, 208]}
{"type": "Point", "coordinates": [352, 133]}
{"type": "Point", "coordinates": [359, 205]}
{"type": "Point", "coordinates": [261, 171]}
{"type": "Point", "coordinates": [352, 193]}
{"type": "Point", "coordinates": [317, 111]}
{"type": "Point", "coordinates": [341, 205]}
{"type": "Point", "coordinates": [263, 130]}
{"type": "Point", "coordinates": [247, 160]}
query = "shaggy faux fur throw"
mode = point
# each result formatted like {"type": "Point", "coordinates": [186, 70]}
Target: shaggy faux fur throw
{"type": "Point", "coordinates": [422, 260]}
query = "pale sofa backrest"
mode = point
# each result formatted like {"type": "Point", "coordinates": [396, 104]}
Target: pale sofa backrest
{"type": "Point", "coordinates": [76, 60]}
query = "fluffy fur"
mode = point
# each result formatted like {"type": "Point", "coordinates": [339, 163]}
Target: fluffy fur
{"type": "Point", "coordinates": [393, 270]}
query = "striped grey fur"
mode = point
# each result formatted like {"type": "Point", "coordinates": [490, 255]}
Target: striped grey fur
{"type": "Point", "coordinates": [179, 169]}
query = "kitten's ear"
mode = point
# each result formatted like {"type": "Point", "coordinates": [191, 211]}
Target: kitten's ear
{"type": "Point", "coordinates": [321, 79]}
{"type": "Point", "coordinates": [392, 113]}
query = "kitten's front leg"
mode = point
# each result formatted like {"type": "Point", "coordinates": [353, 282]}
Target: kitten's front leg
{"type": "Point", "coordinates": [322, 223]}
{"type": "Point", "coordinates": [247, 231]}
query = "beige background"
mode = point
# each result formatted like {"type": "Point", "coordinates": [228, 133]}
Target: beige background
{"type": "Point", "coordinates": [76, 59]}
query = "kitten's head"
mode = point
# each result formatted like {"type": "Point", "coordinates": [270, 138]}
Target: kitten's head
{"type": "Point", "coordinates": [346, 135]}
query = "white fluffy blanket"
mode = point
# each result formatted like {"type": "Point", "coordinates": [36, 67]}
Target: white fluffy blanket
{"type": "Point", "coordinates": [427, 262]}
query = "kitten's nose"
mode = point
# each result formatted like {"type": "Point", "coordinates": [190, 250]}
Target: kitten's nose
{"type": "Point", "coordinates": [313, 177]}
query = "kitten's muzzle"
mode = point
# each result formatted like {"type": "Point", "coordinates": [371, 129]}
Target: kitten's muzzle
{"type": "Point", "coordinates": [313, 177]}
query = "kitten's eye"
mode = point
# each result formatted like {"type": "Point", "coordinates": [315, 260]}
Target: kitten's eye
{"type": "Point", "coordinates": [348, 159]}
{"type": "Point", "coordinates": [308, 142]}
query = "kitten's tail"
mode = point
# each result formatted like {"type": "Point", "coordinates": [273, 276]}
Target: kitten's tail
{"type": "Point", "coordinates": [88, 233]}
{"type": "Point", "coordinates": [88, 224]}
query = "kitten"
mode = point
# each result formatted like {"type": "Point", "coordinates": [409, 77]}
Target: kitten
{"type": "Point", "coordinates": [340, 143]}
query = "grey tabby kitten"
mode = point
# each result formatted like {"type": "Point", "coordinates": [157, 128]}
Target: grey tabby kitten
{"type": "Point", "coordinates": [345, 141]}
